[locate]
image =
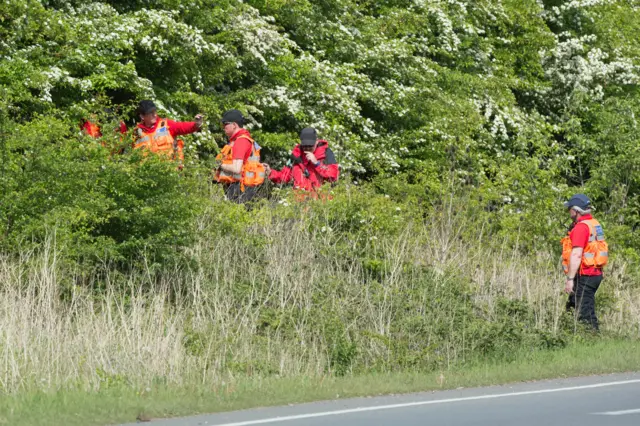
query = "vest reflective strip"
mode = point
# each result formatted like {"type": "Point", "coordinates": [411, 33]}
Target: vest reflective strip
{"type": "Point", "coordinates": [589, 255]}
{"type": "Point", "coordinates": [233, 175]}
{"type": "Point", "coordinates": [604, 253]}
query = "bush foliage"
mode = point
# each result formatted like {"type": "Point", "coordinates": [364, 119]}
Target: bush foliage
{"type": "Point", "coordinates": [525, 102]}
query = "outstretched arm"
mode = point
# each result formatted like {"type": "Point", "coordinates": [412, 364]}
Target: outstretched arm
{"type": "Point", "coordinates": [281, 176]}
{"type": "Point", "coordinates": [178, 128]}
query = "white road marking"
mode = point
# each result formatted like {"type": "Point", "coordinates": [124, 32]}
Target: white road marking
{"type": "Point", "coordinates": [419, 403]}
{"type": "Point", "coordinates": [619, 413]}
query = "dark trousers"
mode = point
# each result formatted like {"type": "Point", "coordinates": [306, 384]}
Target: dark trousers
{"type": "Point", "coordinates": [234, 193]}
{"type": "Point", "coordinates": [583, 298]}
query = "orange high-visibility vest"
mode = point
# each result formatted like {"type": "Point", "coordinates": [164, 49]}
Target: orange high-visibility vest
{"type": "Point", "coordinates": [160, 142]}
{"type": "Point", "coordinates": [92, 130]}
{"type": "Point", "coordinates": [253, 172]}
{"type": "Point", "coordinates": [595, 254]}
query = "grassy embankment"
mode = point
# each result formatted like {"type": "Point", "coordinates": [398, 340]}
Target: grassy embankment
{"type": "Point", "coordinates": [121, 403]}
{"type": "Point", "coordinates": [300, 305]}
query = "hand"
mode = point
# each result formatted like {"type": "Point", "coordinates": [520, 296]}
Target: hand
{"type": "Point", "coordinates": [199, 120]}
{"type": "Point", "coordinates": [568, 286]}
{"type": "Point", "coordinates": [267, 169]}
{"type": "Point", "coordinates": [312, 158]}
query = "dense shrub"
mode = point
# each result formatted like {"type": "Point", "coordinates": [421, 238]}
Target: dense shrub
{"type": "Point", "coordinates": [525, 102]}
{"type": "Point", "coordinates": [101, 206]}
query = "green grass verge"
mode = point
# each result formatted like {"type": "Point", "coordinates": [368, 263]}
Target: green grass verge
{"type": "Point", "coordinates": [121, 404]}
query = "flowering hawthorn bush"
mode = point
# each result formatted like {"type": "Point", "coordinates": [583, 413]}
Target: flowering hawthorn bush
{"type": "Point", "coordinates": [521, 101]}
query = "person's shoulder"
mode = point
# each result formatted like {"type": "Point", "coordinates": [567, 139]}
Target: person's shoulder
{"type": "Point", "coordinates": [587, 223]}
{"type": "Point", "coordinates": [581, 226]}
{"type": "Point", "coordinates": [245, 139]}
{"type": "Point", "coordinates": [323, 145]}
{"type": "Point", "coordinates": [141, 128]}
{"type": "Point", "coordinates": [594, 220]}
{"type": "Point", "coordinates": [242, 143]}
{"type": "Point", "coordinates": [329, 156]}
{"type": "Point", "coordinates": [579, 229]}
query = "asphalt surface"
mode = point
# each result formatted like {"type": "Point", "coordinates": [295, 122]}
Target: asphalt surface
{"type": "Point", "coordinates": [611, 400]}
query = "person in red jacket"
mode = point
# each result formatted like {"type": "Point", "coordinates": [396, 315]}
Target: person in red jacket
{"type": "Point", "coordinates": [312, 164]}
{"type": "Point", "coordinates": [158, 135]}
{"type": "Point", "coordinates": [585, 253]}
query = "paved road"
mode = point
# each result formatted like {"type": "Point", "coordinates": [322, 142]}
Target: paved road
{"type": "Point", "coordinates": [612, 400]}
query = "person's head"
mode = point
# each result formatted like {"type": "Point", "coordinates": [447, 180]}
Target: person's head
{"type": "Point", "coordinates": [148, 113]}
{"type": "Point", "coordinates": [578, 205]}
{"type": "Point", "coordinates": [308, 139]}
{"type": "Point", "coordinates": [232, 121]}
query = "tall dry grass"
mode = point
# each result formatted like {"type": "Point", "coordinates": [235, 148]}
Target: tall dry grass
{"type": "Point", "coordinates": [291, 308]}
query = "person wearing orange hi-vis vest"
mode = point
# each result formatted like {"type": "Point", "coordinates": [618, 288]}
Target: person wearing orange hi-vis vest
{"type": "Point", "coordinates": [159, 135]}
{"type": "Point", "coordinates": [90, 128]}
{"type": "Point", "coordinates": [584, 254]}
{"type": "Point", "coordinates": [240, 170]}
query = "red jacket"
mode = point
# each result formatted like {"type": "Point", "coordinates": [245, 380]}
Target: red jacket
{"type": "Point", "coordinates": [305, 175]}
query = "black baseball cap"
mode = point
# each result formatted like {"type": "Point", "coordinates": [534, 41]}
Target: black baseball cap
{"type": "Point", "coordinates": [233, 116]}
{"type": "Point", "coordinates": [146, 107]}
{"type": "Point", "coordinates": [308, 136]}
{"type": "Point", "coordinates": [579, 200]}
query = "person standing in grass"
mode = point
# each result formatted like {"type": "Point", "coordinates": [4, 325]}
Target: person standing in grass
{"type": "Point", "coordinates": [239, 170]}
{"type": "Point", "coordinates": [584, 254]}
{"type": "Point", "coordinates": [312, 164]}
